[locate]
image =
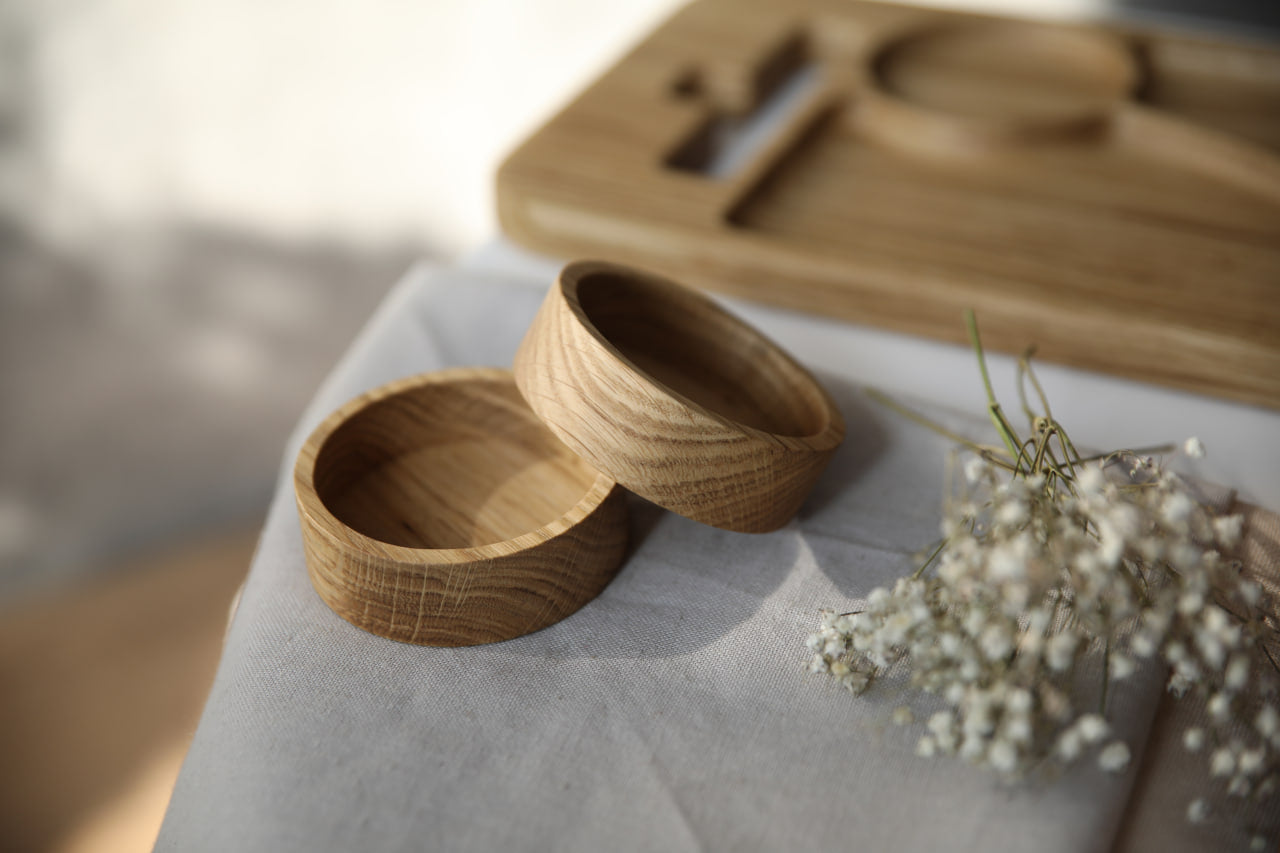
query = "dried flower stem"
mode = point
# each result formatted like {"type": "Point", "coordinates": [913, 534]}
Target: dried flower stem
{"type": "Point", "coordinates": [993, 407]}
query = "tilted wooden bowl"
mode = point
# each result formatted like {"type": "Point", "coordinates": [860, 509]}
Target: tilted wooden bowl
{"type": "Point", "coordinates": [675, 398]}
{"type": "Point", "coordinates": [438, 510]}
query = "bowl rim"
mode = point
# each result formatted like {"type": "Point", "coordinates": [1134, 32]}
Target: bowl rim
{"type": "Point", "coordinates": [827, 437]}
{"type": "Point", "coordinates": [319, 518]}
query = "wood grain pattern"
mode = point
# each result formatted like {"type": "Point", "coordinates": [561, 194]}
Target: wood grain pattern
{"type": "Point", "coordinates": [438, 510]}
{"type": "Point", "coordinates": [1111, 195]}
{"type": "Point", "coordinates": [675, 398]}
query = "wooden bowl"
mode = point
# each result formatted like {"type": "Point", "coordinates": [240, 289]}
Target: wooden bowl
{"type": "Point", "coordinates": [676, 399]}
{"type": "Point", "coordinates": [438, 510]}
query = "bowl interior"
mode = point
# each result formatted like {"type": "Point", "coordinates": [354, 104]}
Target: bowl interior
{"type": "Point", "coordinates": [694, 348]}
{"type": "Point", "coordinates": [448, 465]}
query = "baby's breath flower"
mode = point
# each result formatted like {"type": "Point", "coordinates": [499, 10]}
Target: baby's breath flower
{"type": "Point", "coordinates": [1093, 728]}
{"type": "Point", "coordinates": [1017, 728]}
{"type": "Point", "coordinates": [1061, 651]}
{"type": "Point", "coordinates": [1091, 480]}
{"type": "Point", "coordinates": [973, 747]}
{"type": "Point", "coordinates": [1193, 739]}
{"type": "Point", "coordinates": [1003, 756]}
{"type": "Point", "coordinates": [1012, 513]}
{"type": "Point", "coordinates": [1144, 645]}
{"type": "Point", "coordinates": [996, 642]}
{"type": "Point", "coordinates": [1267, 722]}
{"type": "Point", "coordinates": [946, 742]}
{"type": "Point", "coordinates": [1237, 673]}
{"type": "Point", "coordinates": [1251, 761]}
{"type": "Point", "coordinates": [1070, 745]}
{"type": "Point", "coordinates": [1018, 701]}
{"type": "Point", "coordinates": [1223, 762]}
{"type": "Point", "coordinates": [976, 469]}
{"type": "Point", "coordinates": [1054, 702]}
{"type": "Point", "coordinates": [1114, 757]}
{"type": "Point", "coordinates": [1121, 666]}
{"type": "Point", "coordinates": [1227, 530]}
{"type": "Point", "coordinates": [1239, 786]}
{"type": "Point", "coordinates": [1178, 684]}
{"type": "Point", "coordinates": [1041, 575]}
{"type": "Point", "coordinates": [1177, 508]}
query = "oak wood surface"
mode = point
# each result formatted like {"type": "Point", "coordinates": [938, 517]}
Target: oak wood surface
{"type": "Point", "coordinates": [438, 510]}
{"type": "Point", "coordinates": [1110, 195]}
{"type": "Point", "coordinates": [675, 398]}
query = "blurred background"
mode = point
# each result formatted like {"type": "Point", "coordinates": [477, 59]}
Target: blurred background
{"type": "Point", "coordinates": [200, 204]}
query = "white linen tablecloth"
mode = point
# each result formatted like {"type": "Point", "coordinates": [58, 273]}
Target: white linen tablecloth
{"type": "Point", "coordinates": [672, 713]}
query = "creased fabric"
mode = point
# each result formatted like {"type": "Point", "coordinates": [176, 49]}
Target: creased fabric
{"type": "Point", "coordinates": [672, 713]}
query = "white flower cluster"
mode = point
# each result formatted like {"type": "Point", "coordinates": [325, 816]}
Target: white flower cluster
{"type": "Point", "coordinates": [1042, 578]}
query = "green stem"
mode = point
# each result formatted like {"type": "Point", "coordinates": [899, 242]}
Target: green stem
{"type": "Point", "coordinates": [998, 420]}
{"type": "Point", "coordinates": [1035, 382]}
{"type": "Point", "coordinates": [1041, 450]}
{"type": "Point", "coordinates": [1106, 674]}
{"type": "Point", "coordinates": [983, 450]}
{"type": "Point", "coordinates": [1263, 645]}
{"type": "Point", "coordinates": [1068, 448]}
{"type": "Point", "coordinates": [1137, 451]}
{"type": "Point", "coordinates": [1021, 384]}
{"type": "Point", "coordinates": [928, 562]}
{"type": "Point", "coordinates": [1025, 454]}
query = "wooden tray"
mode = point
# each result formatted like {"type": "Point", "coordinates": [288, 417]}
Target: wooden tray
{"type": "Point", "coordinates": [1112, 196]}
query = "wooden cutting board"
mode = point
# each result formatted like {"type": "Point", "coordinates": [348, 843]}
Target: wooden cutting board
{"type": "Point", "coordinates": [1112, 196]}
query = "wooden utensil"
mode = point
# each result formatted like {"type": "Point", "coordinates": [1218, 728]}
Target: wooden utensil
{"type": "Point", "coordinates": [1111, 195]}
{"type": "Point", "coordinates": [438, 510]}
{"type": "Point", "coordinates": [676, 399]}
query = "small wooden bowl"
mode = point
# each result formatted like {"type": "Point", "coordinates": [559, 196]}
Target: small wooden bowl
{"type": "Point", "coordinates": [438, 510]}
{"type": "Point", "coordinates": [676, 399]}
